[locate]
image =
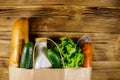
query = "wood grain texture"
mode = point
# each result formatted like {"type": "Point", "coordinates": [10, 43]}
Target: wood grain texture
{"type": "Point", "coordinates": [26, 3]}
{"type": "Point", "coordinates": [104, 43]}
{"type": "Point", "coordinates": [97, 65]}
{"type": "Point", "coordinates": [65, 18]}
{"type": "Point", "coordinates": [97, 18]}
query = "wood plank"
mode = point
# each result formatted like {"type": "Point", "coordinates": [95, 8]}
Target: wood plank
{"type": "Point", "coordinates": [4, 73]}
{"type": "Point", "coordinates": [77, 19]}
{"type": "Point", "coordinates": [65, 18]}
{"type": "Point", "coordinates": [3, 68]}
{"type": "Point", "coordinates": [21, 3]}
{"type": "Point", "coordinates": [104, 43]}
{"type": "Point", "coordinates": [4, 62]}
{"type": "Point", "coordinates": [97, 65]}
{"type": "Point", "coordinates": [96, 37]}
{"type": "Point", "coordinates": [102, 65]}
{"type": "Point", "coordinates": [112, 74]}
{"type": "Point", "coordinates": [6, 23]}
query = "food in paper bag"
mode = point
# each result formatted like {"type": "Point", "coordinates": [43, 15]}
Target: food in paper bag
{"type": "Point", "coordinates": [69, 70]}
{"type": "Point", "coordinates": [86, 46]}
{"type": "Point", "coordinates": [27, 56]}
{"type": "Point", "coordinates": [50, 74]}
{"type": "Point", "coordinates": [72, 56]}
{"type": "Point", "coordinates": [65, 54]}
{"type": "Point", "coordinates": [41, 60]}
{"type": "Point", "coordinates": [19, 38]}
{"type": "Point", "coordinates": [54, 59]}
{"type": "Point", "coordinates": [65, 60]}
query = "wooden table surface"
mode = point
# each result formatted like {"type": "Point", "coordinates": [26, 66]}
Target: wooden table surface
{"type": "Point", "coordinates": [100, 19]}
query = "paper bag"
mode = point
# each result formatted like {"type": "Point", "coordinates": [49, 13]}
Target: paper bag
{"type": "Point", "coordinates": [49, 74]}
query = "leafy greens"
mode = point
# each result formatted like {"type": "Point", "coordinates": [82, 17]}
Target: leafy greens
{"type": "Point", "coordinates": [71, 53]}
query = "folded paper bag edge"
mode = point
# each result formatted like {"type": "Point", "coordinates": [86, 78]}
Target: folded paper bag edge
{"type": "Point", "coordinates": [78, 74]}
{"type": "Point", "coordinates": [21, 74]}
{"type": "Point", "coordinates": [48, 74]}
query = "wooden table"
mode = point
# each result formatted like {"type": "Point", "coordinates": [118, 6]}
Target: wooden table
{"type": "Point", "coordinates": [100, 19]}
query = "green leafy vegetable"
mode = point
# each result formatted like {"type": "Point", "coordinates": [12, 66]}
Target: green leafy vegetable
{"type": "Point", "coordinates": [71, 53]}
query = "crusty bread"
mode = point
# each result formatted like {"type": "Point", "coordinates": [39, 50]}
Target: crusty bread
{"type": "Point", "coordinates": [20, 36]}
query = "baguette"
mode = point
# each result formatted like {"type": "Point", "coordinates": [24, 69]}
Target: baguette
{"type": "Point", "coordinates": [20, 37]}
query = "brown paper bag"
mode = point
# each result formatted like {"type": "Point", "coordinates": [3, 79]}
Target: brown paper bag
{"type": "Point", "coordinates": [49, 74]}
{"type": "Point", "coordinates": [21, 74]}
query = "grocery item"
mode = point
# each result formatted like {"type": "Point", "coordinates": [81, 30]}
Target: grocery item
{"type": "Point", "coordinates": [54, 59]}
{"type": "Point", "coordinates": [86, 46]}
{"type": "Point", "coordinates": [41, 60]}
{"type": "Point", "coordinates": [20, 37]}
{"type": "Point", "coordinates": [71, 53]}
{"type": "Point", "coordinates": [27, 56]}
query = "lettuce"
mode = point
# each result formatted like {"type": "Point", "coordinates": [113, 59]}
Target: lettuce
{"type": "Point", "coordinates": [71, 53]}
